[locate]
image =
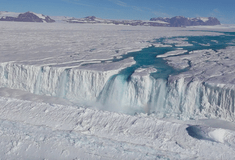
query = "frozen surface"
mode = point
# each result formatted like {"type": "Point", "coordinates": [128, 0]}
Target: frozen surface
{"type": "Point", "coordinates": [172, 53]}
{"type": "Point", "coordinates": [66, 43]}
{"type": "Point", "coordinates": [75, 91]}
{"type": "Point", "coordinates": [179, 42]}
{"type": "Point", "coordinates": [65, 132]}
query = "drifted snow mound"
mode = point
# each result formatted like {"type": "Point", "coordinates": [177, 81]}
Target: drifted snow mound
{"type": "Point", "coordinates": [66, 132]}
{"type": "Point", "coordinates": [206, 133]}
{"type": "Point", "coordinates": [218, 135]}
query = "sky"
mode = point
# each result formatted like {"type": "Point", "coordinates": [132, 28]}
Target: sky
{"type": "Point", "coordinates": [126, 9]}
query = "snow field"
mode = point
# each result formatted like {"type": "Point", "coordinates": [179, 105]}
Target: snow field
{"type": "Point", "coordinates": [60, 62]}
{"type": "Point", "coordinates": [66, 132]}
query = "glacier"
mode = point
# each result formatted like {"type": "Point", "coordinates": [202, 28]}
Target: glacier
{"type": "Point", "coordinates": [126, 90]}
{"type": "Point", "coordinates": [109, 92]}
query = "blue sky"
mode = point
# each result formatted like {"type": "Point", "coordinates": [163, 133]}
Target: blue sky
{"type": "Point", "coordinates": [126, 9]}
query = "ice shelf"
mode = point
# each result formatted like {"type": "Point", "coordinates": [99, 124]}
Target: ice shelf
{"type": "Point", "coordinates": [72, 91]}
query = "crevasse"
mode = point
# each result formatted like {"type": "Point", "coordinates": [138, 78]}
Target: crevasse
{"type": "Point", "coordinates": [178, 98]}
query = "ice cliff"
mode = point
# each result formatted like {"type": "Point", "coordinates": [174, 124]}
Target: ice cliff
{"type": "Point", "coordinates": [177, 98]}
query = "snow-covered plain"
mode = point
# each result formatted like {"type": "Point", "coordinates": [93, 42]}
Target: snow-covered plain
{"type": "Point", "coordinates": [66, 93]}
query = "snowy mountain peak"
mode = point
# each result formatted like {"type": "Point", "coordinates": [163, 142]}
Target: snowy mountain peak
{"type": "Point", "coordinates": [180, 21]}
{"type": "Point", "coordinates": [204, 19]}
{"type": "Point", "coordinates": [25, 17]}
{"type": "Point", "coordinates": [91, 18]}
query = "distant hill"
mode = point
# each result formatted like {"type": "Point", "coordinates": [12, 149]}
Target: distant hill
{"type": "Point", "coordinates": [180, 21]}
{"type": "Point", "coordinates": [177, 21]}
{"type": "Point", "coordinates": [95, 20]}
{"type": "Point", "coordinates": [25, 17]}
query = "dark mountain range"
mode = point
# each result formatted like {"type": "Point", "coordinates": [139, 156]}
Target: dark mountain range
{"type": "Point", "coordinates": [177, 21]}
{"type": "Point", "coordinates": [94, 20]}
{"type": "Point", "coordinates": [26, 17]}
{"type": "Point", "coordinates": [180, 21]}
{"type": "Point", "coordinates": [166, 22]}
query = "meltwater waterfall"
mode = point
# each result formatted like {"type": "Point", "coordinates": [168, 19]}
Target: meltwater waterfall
{"type": "Point", "coordinates": [150, 85]}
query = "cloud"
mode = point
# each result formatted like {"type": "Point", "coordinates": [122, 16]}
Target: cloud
{"type": "Point", "coordinates": [215, 13]}
{"type": "Point", "coordinates": [123, 4]}
{"type": "Point", "coordinates": [119, 3]}
{"type": "Point", "coordinates": [77, 2]}
{"type": "Point", "coordinates": [161, 14]}
{"type": "Point", "coordinates": [222, 18]}
{"type": "Point", "coordinates": [137, 8]}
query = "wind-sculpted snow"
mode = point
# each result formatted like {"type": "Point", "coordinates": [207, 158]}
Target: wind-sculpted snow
{"type": "Point", "coordinates": [66, 132]}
